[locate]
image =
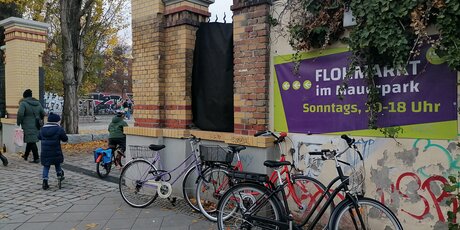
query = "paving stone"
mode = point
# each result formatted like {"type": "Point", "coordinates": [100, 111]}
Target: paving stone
{"type": "Point", "coordinates": [33, 226]}
{"type": "Point", "coordinates": [126, 213]}
{"type": "Point", "coordinates": [100, 215]}
{"type": "Point", "coordinates": [147, 223]}
{"type": "Point", "coordinates": [92, 224]}
{"type": "Point", "coordinates": [62, 225]}
{"type": "Point", "coordinates": [45, 217]}
{"type": "Point", "coordinates": [72, 216]}
{"type": "Point", "coordinates": [81, 208]}
{"type": "Point", "coordinates": [10, 226]}
{"type": "Point", "coordinates": [120, 223]}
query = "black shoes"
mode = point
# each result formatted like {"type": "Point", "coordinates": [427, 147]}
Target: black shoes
{"type": "Point", "coordinates": [45, 185]}
{"type": "Point", "coordinates": [3, 159]}
{"type": "Point", "coordinates": [61, 175]}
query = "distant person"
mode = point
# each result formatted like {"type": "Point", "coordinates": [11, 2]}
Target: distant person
{"type": "Point", "coordinates": [117, 135]}
{"type": "Point", "coordinates": [126, 109]}
{"type": "Point", "coordinates": [29, 111]}
{"type": "Point", "coordinates": [51, 136]}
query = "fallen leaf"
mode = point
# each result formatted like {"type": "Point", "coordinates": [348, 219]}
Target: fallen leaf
{"type": "Point", "coordinates": [83, 148]}
{"type": "Point", "coordinates": [194, 221]}
{"type": "Point", "coordinates": [3, 216]}
{"type": "Point", "coordinates": [91, 226]}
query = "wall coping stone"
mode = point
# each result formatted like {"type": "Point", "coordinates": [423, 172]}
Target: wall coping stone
{"type": "Point", "coordinates": [229, 138]}
{"type": "Point", "coordinates": [11, 21]}
{"type": "Point", "coordinates": [199, 2]}
{"type": "Point", "coordinates": [248, 3]}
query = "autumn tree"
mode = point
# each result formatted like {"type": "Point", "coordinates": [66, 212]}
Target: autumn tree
{"type": "Point", "coordinates": [80, 33]}
{"type": "Point", "coordinates": [116, 74]}
{"type": "Point", "coordinates": [7, 10]}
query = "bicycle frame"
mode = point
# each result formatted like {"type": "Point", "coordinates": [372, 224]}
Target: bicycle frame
{"type": "Point", "coordinates": [194, 161]}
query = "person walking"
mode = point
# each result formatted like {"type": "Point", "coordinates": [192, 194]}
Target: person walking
{"type": "Point", "coordinates": [29, 114]}
{"type": "Point", "coordinates": [51, 136]}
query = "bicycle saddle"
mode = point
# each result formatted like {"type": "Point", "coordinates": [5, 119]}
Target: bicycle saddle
{"type": "Point", "coordinates": [276, 164]}
{"type": "Point", "coordinates": [236, 148]}
{"type": "Point", "coordinates": [156, 147]}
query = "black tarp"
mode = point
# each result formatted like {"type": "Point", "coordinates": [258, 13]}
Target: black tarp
{"type": "Point", "coordinates": [212, 78]}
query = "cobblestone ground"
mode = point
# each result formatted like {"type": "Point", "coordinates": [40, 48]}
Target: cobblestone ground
{"type": "Point", "coordinates": [84, 202]}
{"type": "Point", "coordinates": [21, 193]}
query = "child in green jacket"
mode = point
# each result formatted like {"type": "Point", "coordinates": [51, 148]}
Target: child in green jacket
{"type": "Point", "coordinates": [117, 136]}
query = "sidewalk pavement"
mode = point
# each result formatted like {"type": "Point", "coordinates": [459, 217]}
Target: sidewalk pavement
{"type": "Point", "coordinates": [106, 212]}
{"type": "Point", "coordinates": [85, 201]}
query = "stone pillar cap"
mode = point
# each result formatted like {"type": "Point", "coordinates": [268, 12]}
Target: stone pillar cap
{"type": "Point", "coordinates": [24, 22]}
{"type": "Point", "coordinates": [199, 2]}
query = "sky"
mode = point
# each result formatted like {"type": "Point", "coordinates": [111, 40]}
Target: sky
{"type": "Point", "coordinates": [218, 8]}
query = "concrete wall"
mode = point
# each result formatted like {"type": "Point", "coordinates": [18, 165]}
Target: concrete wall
{"type": "Point", "coordinates": [405, 174]}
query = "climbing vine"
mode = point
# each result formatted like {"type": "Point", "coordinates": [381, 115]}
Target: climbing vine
{"type": "Point", "coordinates": [387, 33]}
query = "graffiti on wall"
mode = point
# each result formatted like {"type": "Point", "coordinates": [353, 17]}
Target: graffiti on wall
{"type": "Point", "coordinates": [410, 182]}
{"type": "Point", "coordinates": [407, 175]}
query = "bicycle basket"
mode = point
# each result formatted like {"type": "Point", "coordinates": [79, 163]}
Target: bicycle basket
{"type": "Point", "coordinates": [357, 177]}
{"type": "Point", "coordinates": [139, 151]}
{"type": "Point", "coordinates": [215, 153]}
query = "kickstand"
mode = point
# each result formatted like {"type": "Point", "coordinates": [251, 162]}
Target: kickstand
{"type": "Point", "coordinates": [172, 200]}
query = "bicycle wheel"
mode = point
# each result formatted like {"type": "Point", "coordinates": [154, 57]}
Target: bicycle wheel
{"type": "Point", "coordinates": [210, 188]}
{"type": "Point", "coordinates": [189, 186]}
{"type": "Point", "coordinates": [241, 198]}
{"type": "Point", "coordinates": [134, 183]}
{"type": "Point", "coordinates": [302, 197]}
{"type": "Point", "coordinates": [103, 169]}
{"type": "Point", "coordinates": [374, 214]}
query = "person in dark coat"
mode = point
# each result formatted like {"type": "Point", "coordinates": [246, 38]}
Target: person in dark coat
{"type": "Point", "coordinates": [29, 110]}
{"type": "Point", "coordinates": [51, 136]}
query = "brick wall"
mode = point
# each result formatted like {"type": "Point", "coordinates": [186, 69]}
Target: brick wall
{"type": "Point", "coordinates": [251, 65]}
{"type": "Point", "coordinates": [148, 64]}
{"type": "Point", "coordinates": [163, 44]}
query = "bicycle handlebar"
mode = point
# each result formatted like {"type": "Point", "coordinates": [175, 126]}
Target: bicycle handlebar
{"type": "Point", "coordinates": [279, 138]}
{"type": "Point", "coordinates": [191, 137]}
{"type": "Point", "coordinates": [350, 143]}
{"type": "Point", "coordinates": [348, 139]}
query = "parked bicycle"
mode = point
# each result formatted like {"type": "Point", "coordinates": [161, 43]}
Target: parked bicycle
{"type": "Point", "coordinates": [142, 181]}
{"type": "Point", "coordinates": [105, 158]}
{"type": "Point", "coordinates": [216, 182]}
{"type": "Point", "coordinates": [252, 205]}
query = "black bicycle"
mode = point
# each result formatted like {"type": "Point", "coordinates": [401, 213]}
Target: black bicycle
{"type": "Point", "coordinates": [253, 205]}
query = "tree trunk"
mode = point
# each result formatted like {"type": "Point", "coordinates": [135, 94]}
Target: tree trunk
{"type": "Point", "coordinates": [71, 13]}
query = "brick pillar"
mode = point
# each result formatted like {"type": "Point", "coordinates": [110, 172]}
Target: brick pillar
{"type": "Point", "coordinates": [25, 43]}
{"type": "Point", "coordinates": [148, 63]}
{"type": "Point", "coordinates": [163, 43]}
{"type": "Point", "coordinates": [251, 70]}
{"type": "Point", "coordinates": [182, 21]}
